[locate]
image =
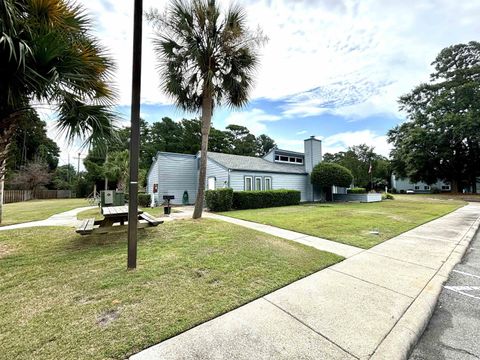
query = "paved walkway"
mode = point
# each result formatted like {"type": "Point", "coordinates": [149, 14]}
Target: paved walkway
{"type": "Point", "coordinates": [375, 304]}
{"type": "Point", "coordinates": [67, 218]}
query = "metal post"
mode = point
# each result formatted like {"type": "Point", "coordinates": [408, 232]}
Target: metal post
{"type": "Point", "coordinates": [135, 135]}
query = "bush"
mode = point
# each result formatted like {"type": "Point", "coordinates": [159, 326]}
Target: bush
{"type": "Point", "coordinates": [144, 200]}
{"type": "Point", "coordinates": [264, 199]}
{"type": "Point", "coordinates": [435, 190]}
{"type": "Point", "coordinates": [328, 174]}
{"type": "Point", "coordinates": [393, 190]}
{"type": "Point", "coordinates": [402, 191]}
{"type": "Point", "coordinates": [219, 200]}
{"type": "Point", "coordinates": [388, 196]}
{"type": "Point", "coordinates": [357, 191]}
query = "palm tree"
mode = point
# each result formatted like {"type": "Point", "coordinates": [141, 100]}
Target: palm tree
{"type": "Point", "coordinates": [48, 56]}
{"type": "Point", "coordinates": [205, 60]}
{"type": "Point", "coordinates": [116, 168]}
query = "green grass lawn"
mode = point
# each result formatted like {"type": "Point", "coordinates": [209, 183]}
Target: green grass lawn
{"type": "Point", "coordinates": [64, 296]}
{"type": "Point", "coordinates": [351, 223]}
{"type": "Point", "coordinates": [33, 210]}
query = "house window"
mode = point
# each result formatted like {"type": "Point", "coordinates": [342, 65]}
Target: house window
{"type": "Point", "coordinates": [211, 183]}
{"type": "Point", "coordinates": [446, 187]}
{"type": "Point", "coordinates": [289, 159]}
{"type": "Point", "coordinates": [258, 183]}
{"type": "Point", "coordinates": [426, 187]}
{"type": "Point", "coordinates": [248, 183]}
{"type": "Point", "coordinates": [268, 183]}
{"type": "Point", "coordinates": [417, 187]}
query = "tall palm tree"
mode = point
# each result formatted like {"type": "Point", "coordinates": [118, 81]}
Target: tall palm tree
{"type": "Point", "coordinates": [48, 56]}
{"type": "Point", "coordinates": [206, 59]}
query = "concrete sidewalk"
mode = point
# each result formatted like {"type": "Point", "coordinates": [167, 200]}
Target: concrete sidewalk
{"type": "Point", "coordinates": [67, 218]}
{"type": "Point", "coordinates": [374, 304]}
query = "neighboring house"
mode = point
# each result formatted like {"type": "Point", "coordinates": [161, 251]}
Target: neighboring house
{"type": "Point", "coordinates": [173, 174]}
{"type": "Point", "coordinates": [405, 184]}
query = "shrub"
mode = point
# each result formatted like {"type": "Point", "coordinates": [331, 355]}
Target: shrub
{"type": "Point", "coordinates": [264, 199]}
{"type": "Point", "coordinates": [435, 190]}
{"type": "Point", "coordinates": [402, 191]}
{"type": "Point", "coordinates": [328, 174]}
{"type": "Point", "coordinates": [144, 200]}
{"type": "Point", "coordinates": [357, 191]}
{"type": "Point", "coordinates": [388, 196]}
{"type": "Point", "coordinates": [393, 190]}
{"type": "Point", "coordinates": [219, 200]}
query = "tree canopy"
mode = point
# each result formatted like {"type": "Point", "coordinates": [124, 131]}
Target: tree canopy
{"type": "Point", "coordinates": [327, 175]}
{"type": "Point", "coordinates": [441, 139]}
{"type": "Point", "coordinates": [368, 168]}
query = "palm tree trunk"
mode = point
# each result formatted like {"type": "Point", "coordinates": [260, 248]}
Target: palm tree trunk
{"type": "Point", "coordinates": [206, 120]}
{"type": "Point", "coordinates": [5, 137]}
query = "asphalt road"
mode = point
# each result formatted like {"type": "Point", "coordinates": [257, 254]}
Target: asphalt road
{"type": "Point", "coordinates": [454, 330]}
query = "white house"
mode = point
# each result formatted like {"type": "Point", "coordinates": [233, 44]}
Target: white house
{"type": "Point", "coordinates": [174, 174]}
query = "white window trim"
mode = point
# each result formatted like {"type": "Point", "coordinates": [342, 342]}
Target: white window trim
{"type": "Point", "coordinates": [288, 161]}
{"type": "Point", "coordinates": [214, 183]}
{"type": "Point", "coordinates": [426, 187]}
{"type": "Point", "coordinates": [255, 182]}
{"type": "Point", "coordinates": [245, 183]}
{"type": "Point", "coordinates": [265, 182]}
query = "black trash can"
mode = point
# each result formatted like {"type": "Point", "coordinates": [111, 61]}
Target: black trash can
{"type": "Point", "coordinates": [167, 209]}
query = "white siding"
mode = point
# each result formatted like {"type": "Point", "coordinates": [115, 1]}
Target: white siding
{"type": "Point", "coordinates": [279, 181]}
{"type": "Point", "coordinates": [270, 156]}
{"type": "Point", "coordinates": [405, 184]}
{"type": "Point", "coordinates": [152, 178]}
{"type": "Point", "coordinates": [177, 173]}
{"type": "Point", "coordinates": [219, 173]}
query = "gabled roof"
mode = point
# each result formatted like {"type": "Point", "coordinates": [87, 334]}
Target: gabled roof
{"type": "Point", "coordinates": [250, 163]}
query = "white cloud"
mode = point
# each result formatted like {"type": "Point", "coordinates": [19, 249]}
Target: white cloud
{"type": "Point", "coordinates": [253, 119]}
{"type": "Point", "coordinates": [301, 132]}
{"type": "Point", "coordinates": [341, 141]}
{"type": "Point", "coordinates": [362, 45]}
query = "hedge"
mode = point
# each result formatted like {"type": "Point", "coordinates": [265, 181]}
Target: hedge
{"type": "Point", "coordinates": [219, 200]}
{"type": "Point", "coordinates": [264, 199]}
{"type": "Point", "coordinates": [329, 174]}
{"type": "Point", "coordinates": [144, 200]}
{"type": "Point", "coordinates": [357, 191]}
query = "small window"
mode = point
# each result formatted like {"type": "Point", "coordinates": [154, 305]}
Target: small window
{"type": "Point", "coordinates": [258, 183]}
{"type": "Point", "coordinates": [277, 158]}
{"type": "Point", "coordinates": [445, 187]}
{"type": "Point", "coordinates": [211, 183]}
{"type": "Point", "coordinates": [284, 158]}
{"type": "Point", "coordinates": [417, 187]}
{"type": "Point", "coordinates": [426, 187]}
{"type": "Point", "coordinates": [292, 159]}
{"type": "Point", "coordinates": [299, 160]}
{"type": "Point", "coordinates": [248, 183]}
{"type": "Point", "coordinates": [268, 183]}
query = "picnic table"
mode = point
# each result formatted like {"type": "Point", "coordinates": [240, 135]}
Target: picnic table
{"type": "Point", "coordinates": [114, 215]}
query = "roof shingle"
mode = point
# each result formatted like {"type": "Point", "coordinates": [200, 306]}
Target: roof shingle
{"type": "Point", "coordinates": [250, 163]}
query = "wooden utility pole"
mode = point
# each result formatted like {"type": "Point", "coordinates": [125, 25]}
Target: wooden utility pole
{"type": "Point", "coordinates": [135, 135]}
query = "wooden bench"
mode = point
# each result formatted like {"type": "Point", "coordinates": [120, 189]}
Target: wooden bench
{"type": "Point", "coordinates": [150, 219]}
{"type": "Point", "coordinates": [86, 227]}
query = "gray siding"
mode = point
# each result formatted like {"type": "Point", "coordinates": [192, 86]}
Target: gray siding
{"type": "Point", "coordinates": [313, 156]}
{"type": "Point", "coordinates": [279, 181]}
{"type": "Point", "coordinates": [270, 156]}
{"type": "Point", "coordinates": [218, 172]}
{"type": "Point", "coordinates": [177, 173]}
{"type": "Point", "coordinates": [152, 178]}
{"type": "Point", "coordinates": [405, 184]}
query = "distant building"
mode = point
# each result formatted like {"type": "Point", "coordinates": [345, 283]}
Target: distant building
{"type": "Point", "coordinates": [173, 174]}
{"type": "Point", "coordinates": [402, 185]}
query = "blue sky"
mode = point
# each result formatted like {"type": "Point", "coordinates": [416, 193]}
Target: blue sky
{"type": "Point", "coordinates": [331, 68]}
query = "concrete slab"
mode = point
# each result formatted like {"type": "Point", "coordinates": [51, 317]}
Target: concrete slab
{"type": "Point", "coordinates": [402, 277]}
{"type": "Point", "coordinates": [258, 330]}
{"type": "Point", "coordinates": [330, 246]}
{"type": "Point", "coordinates": [343, 309]}
{"type": "Point", "coordinates": [421, 251]}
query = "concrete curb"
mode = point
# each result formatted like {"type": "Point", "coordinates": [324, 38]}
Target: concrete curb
{"type": "Point", "coordinates": [403, 337]}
